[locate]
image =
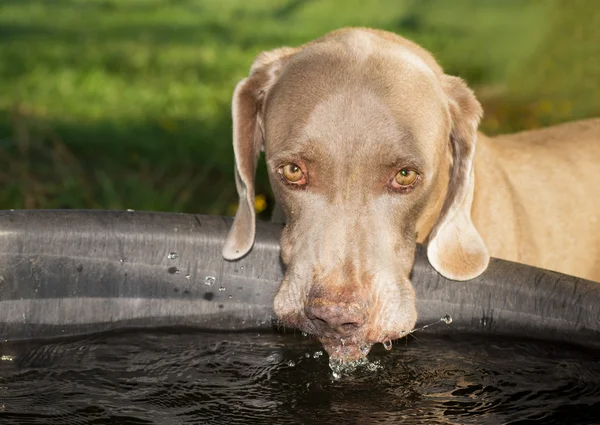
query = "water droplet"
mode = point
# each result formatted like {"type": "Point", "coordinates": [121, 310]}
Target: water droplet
{"type": "Point", "coordinates": [230, 297]}
{"type": "Point", "coordinates": [317, 354]}
{"type": "Point", "coordinates": [291, 363]}
{"type": "Point", "coordinates": [210, 280]}
{"type": "Point", "coordinates": [241, 267]}
{"type": "Point", "coordinates": [187, 276]}
{"type": "Point", "coordinates": [307, 355]}
{"type": "Point", "coordinates": [387, 344]}
{"type": "Point", "coordinates": [6, 358]}
{"type": "Point", "coordinates": [446, 319]}
{"type": "Point", "coordinates": [304, 334]}
{"type": "Point", "coordinates": [373, 366]}
{"type": "Point", "coordinates": [173, 255]}
{"type": "Point", "coordinates": [221, 288]}
{"type": "Point", "coordinates": [130, 210]}
{"type": "Point", "coordinates": [340, 368]}
{"type": "Point", "coordinates": [122, 260]}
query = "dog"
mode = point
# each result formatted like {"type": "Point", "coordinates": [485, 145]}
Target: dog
{"type": "Point", "coordinates": [371, 149]}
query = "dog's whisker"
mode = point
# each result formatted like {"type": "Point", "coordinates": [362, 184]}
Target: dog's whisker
{"type": "Point", "coordinates": [412, 335]}
{"type": "Point", "coordinates": [380, 270]}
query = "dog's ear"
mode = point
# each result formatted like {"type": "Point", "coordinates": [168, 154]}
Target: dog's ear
{"type": "Point", "coordinates": [247, 112]}
{"type": "Point", "coordinates": [455, 248]}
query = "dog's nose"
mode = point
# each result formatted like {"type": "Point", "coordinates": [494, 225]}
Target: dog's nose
{"type": "Point", "coordinates": [340, 317]}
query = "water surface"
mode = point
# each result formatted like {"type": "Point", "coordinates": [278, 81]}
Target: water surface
{"type": "Point", "coordinates": [201, 378]}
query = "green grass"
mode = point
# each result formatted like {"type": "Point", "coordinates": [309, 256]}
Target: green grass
{"type": "Point", "coordinates": [126, 103]}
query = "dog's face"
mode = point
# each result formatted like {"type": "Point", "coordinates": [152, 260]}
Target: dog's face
{"type": "Point", "coordinates": [350, 236]}
{"type": "Point", "coordinates": [368, 153]}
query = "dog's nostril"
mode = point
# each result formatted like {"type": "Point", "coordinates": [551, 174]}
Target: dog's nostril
{"type": "Point", "coordinates": [349, 326]}
{"type": "Point", "coordinates": [320, 322]}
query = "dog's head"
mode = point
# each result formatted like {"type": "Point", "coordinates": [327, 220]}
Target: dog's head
{"type": "Point", "coordinates": [369, 147]}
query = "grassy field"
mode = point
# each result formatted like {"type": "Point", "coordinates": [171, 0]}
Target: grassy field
{"type": "Point", "coordinates": [126, 103]}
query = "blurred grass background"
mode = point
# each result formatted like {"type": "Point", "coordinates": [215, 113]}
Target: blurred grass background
{"type": "Point", "coordinates": [126, 103]}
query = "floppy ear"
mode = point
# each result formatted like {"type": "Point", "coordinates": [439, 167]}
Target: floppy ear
{"type": "Point", "coordinates": [247, 112]}
{"type": "Point", "coordinates": [455, 248]}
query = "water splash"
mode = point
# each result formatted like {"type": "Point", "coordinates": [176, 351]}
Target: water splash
{"type": "Point", "coordinates": [340, 368]}
{"type": "Point", "coordinates": [173, 255]}
{"type": "Point", "coordinates": [447, 319]}
{"type": "Point", "coordinates": [210, 280]}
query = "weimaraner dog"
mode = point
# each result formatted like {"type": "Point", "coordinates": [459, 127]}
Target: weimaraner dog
{"type": "Point", "coordinates": [372, 149]}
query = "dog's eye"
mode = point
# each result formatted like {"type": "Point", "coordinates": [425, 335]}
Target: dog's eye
{"type": "Point", "coordinates": [292, 173]}
{"type": "Point", "coordinates": [405, 178]}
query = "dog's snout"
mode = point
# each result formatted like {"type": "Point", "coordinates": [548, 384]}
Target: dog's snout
{"type": "Point", "coordinates": [340, 318]}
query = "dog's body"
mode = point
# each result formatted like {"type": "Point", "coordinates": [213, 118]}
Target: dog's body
{"type": "Point", "coordinates": [371, 148]}
{"type": "Point", "coordinates": [537, 197]}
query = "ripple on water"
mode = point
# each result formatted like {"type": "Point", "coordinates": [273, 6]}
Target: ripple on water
{"type": "Point", "coordinates": [192, 378]}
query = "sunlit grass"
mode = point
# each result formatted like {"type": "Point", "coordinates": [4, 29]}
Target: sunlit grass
{"type": "Point", "coordinates": [126, 103]}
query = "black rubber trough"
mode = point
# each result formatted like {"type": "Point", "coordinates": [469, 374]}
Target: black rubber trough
{"type": "Point", "coordinates": [66, 273]}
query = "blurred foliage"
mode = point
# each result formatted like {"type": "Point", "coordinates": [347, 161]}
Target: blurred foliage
{"type": "Point", "coordinates": [126, 103]}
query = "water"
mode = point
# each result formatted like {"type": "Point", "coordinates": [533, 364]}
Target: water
{"type": "Point", "coordinates": [204, 378]}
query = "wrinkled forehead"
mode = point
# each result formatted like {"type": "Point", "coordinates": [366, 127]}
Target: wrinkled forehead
{"type": "Point", "coordinates": [329, 96]}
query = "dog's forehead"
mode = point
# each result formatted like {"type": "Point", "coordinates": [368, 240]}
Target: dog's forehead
{"type": "Point", "coordinates": [357, 118]}
{"type": "Point", "coordinates": [355, 89]}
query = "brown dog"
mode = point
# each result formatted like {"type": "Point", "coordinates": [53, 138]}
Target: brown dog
{"type": "Point", "coordinates": [371, 148]}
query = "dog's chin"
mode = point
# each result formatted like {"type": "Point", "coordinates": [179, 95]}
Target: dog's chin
{"type": "Point", "coordinates": [342, 350]}
{"type": "Point", "coordinates": [353, 348]}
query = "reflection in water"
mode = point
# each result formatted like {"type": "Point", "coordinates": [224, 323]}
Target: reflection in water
{"type": "Point", "coordinates": [172, 378]}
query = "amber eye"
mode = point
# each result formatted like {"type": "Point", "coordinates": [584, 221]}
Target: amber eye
{"type": "Point", "coordinates": [405, 177]}
{"type": "Point", "coordinates": [292, 173]}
